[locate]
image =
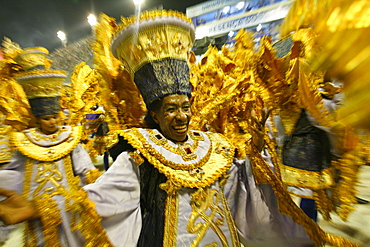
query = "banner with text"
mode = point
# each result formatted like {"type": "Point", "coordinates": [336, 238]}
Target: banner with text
{"type": "Point", "coordinates": [249, 20]}
{"type": "Point", "coordinates": [207, 7]}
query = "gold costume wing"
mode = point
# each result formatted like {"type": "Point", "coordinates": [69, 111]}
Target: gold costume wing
{"type": "Point", "coordinates": [13, 101]}
{"type": "Point", "coordinates": [120, 96]}
{"type": "Point", "coordinates": [340, 48]}
{"type": "Point", "coordinates": [82, 101]}
{"type": "Point", "coordinates": [226, 94]}
{"type": "Point", "coordinates": [85, 96]}
{"type": "Point", "coordinates": [234, 86]}
{"type": "Point", "coordinates": [343, 31]}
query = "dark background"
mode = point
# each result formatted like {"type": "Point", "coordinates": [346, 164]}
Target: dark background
{"type": "Point", "coordinates": [36, 22]}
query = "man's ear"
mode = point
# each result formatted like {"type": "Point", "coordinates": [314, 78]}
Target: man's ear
{"type": "Point", "coordinates": [154, 116]}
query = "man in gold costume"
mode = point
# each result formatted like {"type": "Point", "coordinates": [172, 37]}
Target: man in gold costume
{"type": "Point", "coordinates": [172, 186]}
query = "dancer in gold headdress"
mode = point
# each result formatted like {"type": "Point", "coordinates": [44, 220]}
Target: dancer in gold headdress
{"type": "Point", "coordinates": [191, 189]}
{"type": "Point", "coordinates": [52, 162]}
{"type": "Point", "coordinates": [170, 185]}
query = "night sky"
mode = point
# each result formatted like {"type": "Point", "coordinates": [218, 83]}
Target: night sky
{"type": "Point", "coordinates": [36, 22]}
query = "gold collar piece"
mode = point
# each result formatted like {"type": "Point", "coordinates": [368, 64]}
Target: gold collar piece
{"type": "Point", "coordinates": [215, 155]}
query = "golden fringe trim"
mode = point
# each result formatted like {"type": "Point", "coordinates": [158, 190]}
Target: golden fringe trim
{"type": "Point", "coordinates": [143, 144]}
{"type": "Point", "coordinates": [345, 192]}
{"type": "Point", "coordinates": [324, 204]}
{"type": "Point", "coordinates": [147, 15]}
{"type": "Point", "coordinates": [89, 222]}
{"type": "Point", "coordinates": [40, 153]}
{"type": "Point", "coordinates": [29, 235]}
{"type": "Point", "coordinates": [288, 207]}
{"type": "Point", "coordinates": [92, 176]}
{"type": "Point", "coordinates": [83, 214]}
{"type": "Point", "coordinates": [307, 179]}
{"type": "Point", "coordinates": [164, 166]}
{"type": "Point", "coordinates": [50, 218]}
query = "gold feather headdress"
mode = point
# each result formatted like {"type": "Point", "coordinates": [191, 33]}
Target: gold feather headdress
{"type": "Point", "coordinates": [152, 62]}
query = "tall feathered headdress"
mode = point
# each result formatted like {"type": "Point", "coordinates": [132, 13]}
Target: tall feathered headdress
{"type": "Point", "coordinates": [42, 86]}
{"type": "Point", "coordinates": [148, 59]}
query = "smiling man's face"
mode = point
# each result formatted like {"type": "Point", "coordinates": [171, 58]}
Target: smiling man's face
{"type": "Point", "coordinates": [173, 117]}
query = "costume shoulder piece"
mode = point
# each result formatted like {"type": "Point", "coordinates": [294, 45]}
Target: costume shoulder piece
{"type": "Point", "coordinates": [38, 146]}
{"type": "Point", "coordinates": [198, 162]}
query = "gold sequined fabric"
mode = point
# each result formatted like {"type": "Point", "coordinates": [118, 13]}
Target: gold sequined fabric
{"type": "Point", "coordinates": [196, 173]}
{"type": "Point", "coordinates": [120, 97]}
{"type": "Point", "coordinates": [14, 103]}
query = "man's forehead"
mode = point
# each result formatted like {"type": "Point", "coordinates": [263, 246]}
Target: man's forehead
{"type": "Point", "coordinates": [175, 99]}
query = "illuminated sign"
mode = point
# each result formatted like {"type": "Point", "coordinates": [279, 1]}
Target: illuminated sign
{"type": "Point", "coordinates": [272, 13]}
{"type": "Point", "coordinates": [208, 6]}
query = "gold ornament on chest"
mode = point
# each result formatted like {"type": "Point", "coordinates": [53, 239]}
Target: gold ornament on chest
{"type": "Point", "coordinates": [186, 151]}
{"type": "Point", "coordinates": [197, 173]}
{"type": "Point", "coordinates": [224, 150]}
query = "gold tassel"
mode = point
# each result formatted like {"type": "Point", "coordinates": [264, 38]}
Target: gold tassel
{"type": "Point", "coordinates": [50, 218]}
